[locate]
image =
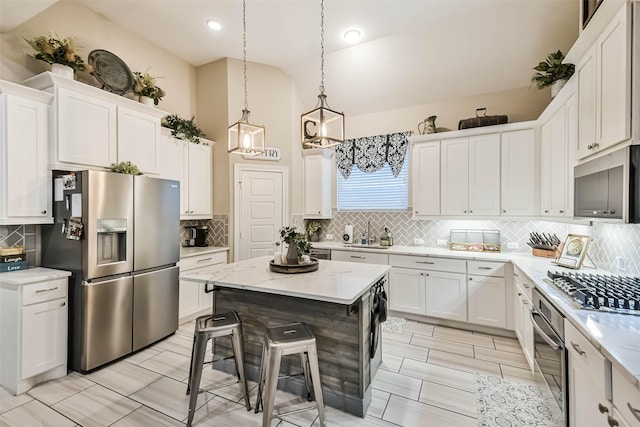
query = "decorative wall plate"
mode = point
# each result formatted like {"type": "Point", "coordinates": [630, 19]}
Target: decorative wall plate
{"type": "Point", "coordinates": [111, 72]}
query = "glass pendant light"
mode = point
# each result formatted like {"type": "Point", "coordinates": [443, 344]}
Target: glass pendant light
{"type": "Point", "coordinates": [322, 127]}
{"type": "Point", "coordinates": [243, 137]}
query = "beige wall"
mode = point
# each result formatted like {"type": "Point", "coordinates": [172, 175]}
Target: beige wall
{"type": "Point", "coordinates": [93, 31]}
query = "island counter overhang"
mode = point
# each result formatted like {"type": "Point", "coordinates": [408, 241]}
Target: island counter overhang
{"type": "Point", "coordinates": [334, 301]}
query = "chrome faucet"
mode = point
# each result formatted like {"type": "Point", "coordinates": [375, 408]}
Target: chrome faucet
{"type": "Point", "coordinates": [370, 240]}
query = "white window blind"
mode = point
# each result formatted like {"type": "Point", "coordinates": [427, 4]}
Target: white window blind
{"type": "Point", "coordinates": [379, 191]}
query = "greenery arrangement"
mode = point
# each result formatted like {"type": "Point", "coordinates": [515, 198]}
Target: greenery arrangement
{"type": "Point", "coordinates": [145, 85]}
{"type": "Point", "coordinates": [290, 236]}
{"type": "Point", "coordinates": [183, 129]}
{"type": "Point", "coordinates": [312, 228]}
{"type": "Point", "coordinates": [56, 50]}
{"type": "Point", "coordinates": [552, 70]}
{"type": "Point", "coordinates": [125, 167]}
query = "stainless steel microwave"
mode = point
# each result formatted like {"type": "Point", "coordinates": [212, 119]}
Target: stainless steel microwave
{"type": "Point", "coordinates": [609, 186]}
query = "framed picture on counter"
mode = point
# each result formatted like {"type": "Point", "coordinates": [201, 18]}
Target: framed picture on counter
{"type": "Point", "coordinates": [574, 250]}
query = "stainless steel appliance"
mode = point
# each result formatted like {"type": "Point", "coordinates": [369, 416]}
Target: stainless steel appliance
{"type": "Point", "coordinates": [550, 356]}
{"type": "Point", "coordinates": [119, 236]}
{"type": "Point", "coordinates": [197, 236]}
{"type": "Point", "coordinates": [319, 253]}
{"type": "Point", "coordinates": [609, 186]}
{"type": "Point", "coordinates": [603, 292]}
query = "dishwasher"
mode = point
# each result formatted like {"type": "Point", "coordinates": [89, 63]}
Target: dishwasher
{"type": "Point", "coordinates": [319, 253]}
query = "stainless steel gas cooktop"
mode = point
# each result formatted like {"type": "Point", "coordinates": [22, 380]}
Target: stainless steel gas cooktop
{"type": "Point", "coordinates": [607, 293]}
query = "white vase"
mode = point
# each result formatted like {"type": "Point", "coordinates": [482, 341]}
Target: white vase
{"type": "Point", "coordinates": [556, 87]}
{"type": "Point", "coordinates": [62, 70]}
{"type": "Point", "coordinates": [146, 100]}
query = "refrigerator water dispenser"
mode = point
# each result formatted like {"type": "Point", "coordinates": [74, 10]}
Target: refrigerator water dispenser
{"type": "Point", "coordinates": [112, 240]}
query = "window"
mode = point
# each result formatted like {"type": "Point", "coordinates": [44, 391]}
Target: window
{"type": "Point", "coordinates": [379, 191]}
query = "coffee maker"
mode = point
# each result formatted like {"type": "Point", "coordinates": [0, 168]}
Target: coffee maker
{"type": "Point", "coordinates": [197, 236]}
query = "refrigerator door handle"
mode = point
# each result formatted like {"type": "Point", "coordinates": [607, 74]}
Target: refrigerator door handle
{"type": "Point", "coordinates": [97, 282]}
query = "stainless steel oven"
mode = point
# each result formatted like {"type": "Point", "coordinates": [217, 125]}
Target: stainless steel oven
{"type": "Point", "coordinates": [550, 356]}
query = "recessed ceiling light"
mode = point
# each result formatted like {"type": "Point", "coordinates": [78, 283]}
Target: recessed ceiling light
{"type": "Point", "coordinates": [352, 35]}
{"type": "Point", "coordinates": [214, 25]}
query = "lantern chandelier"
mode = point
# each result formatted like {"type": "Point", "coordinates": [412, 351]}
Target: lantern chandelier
{"type": "Point", "coordinates": [243, 137]}
{"type": "Point", "coordinates": [322, 127]}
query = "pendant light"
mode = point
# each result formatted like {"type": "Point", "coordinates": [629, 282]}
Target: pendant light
{"type": "Point", "coordinates": [243, 137]}
{"type": "Point", "coordinates": [322, 127]}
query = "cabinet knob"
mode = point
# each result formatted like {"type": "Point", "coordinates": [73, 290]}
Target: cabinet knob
{"type": "Point", "coordinates": [426, 274]}
{"type": "Point", "coordinates": [44, 212]}
{"type": "Point", "coordinates": [561, 211]}
{"type": "Point", "coordinates": [190, 211]}
{"type": "Point", "coordinates": [416, 211]}
{"type": "Point", "coordinates": [612, 421]}
{"type": "Point", "coordinates": [470, 211]}
{"type": "Point", "coordinates": [546, 211]}
{"type": "Point", "coordinates": [590, 147]}
{"type": "Point", "coordinates": [603, 409]}
{"type": "Point", "coordinates": [318, 212]}
{"type": "Point", "coordinates": [519, 294]}
{"type": "Point", "coordinates": [62, 304]}
{"type": "Point", "coordinates": [186, 211]}
{"type": "Point", "coordinates": [504, 211]}
{"type": "Point", "coordinates": [470, 278]}
{"type": "Point", "coordinates": [465, 211]}
{"type": "Point", "coordinates": [525, 302]}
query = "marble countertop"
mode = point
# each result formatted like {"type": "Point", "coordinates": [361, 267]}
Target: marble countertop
{"type": "Point", "coordinates": [186, 252]}
{"type": "Point", "coordinates": [334, 281]}
{"type": "Point", "coordinates": [617, 336]}
{"type": "Point", "coordinates": [31, 275]}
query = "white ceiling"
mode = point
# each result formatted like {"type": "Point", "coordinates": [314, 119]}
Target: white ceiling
{"type": "Point", "coordinates": [413, 51]}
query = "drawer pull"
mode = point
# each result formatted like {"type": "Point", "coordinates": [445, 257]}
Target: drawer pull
{"type": "Point", "coordinates": [612, 421]}
{"type": "Point", "coordinates": [577, 348]}
{"type": "Point", "coordinates": [46, 290]}
{"type": "Point", "coordinates": [425, 262]}
{"type": "Point", "coordinates": [525, 286]}
{"type": "Point", "coordinates": [635, 412]}
{"type": "Point", "coordinates": [62, 304]}
{"type": "Point", "coordinates": [204, 260]}
{"type": "Point", "coordinates": [485, 268]}
{"type": "Point", "coordinates": [603, 409]}
{"type": "Point", "coordinates": [358, 257]}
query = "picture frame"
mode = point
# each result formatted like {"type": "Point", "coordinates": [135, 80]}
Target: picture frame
{"type": "Point", "coordinates": [574, 251]}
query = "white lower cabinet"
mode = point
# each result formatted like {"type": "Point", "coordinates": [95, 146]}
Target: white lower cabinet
{"type": "Point", "coordinates": [359, 256]}
{"type": "Point", "coordinates": [192, 299]}
{"type": "Point", "coordinates": [487, 301]}
{"type": "Point", "coordinates": [626, 400]}
{"type": "Point", "coordinates": [446, 295]}
{"type": "Point", "coordinates": [33, 332]}
{"type": "Point", "coordinates": [523, 325]}
{"type": "Point", "coordinates": [407, 290]}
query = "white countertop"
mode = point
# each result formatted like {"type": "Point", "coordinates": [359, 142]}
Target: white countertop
{"type": "Point", "coordinates": [31, 275]}
{"type": "Point", "coordinates": [617, 336]}
{"type": "Point", "coordinates": [186, 252]}
{"type": "Point", "coordinates": [334, 281]}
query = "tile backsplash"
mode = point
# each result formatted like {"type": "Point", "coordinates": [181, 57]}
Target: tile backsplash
{"type": "Point", "coordinates": [26, 236]}
{"type": "Point", "coordinates": [610, 241]}
{"type": "Point", "coordinates": [218, 230]}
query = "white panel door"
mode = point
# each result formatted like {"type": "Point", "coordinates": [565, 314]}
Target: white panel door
{"type": "Point", "coordinates": [446, 295]}
{"type": "Point", "coordinates": [484, 174]}
{"type": "Point", "coordinates": [426, 178]}
{"type": "Point", "coordinates": [586, 71]}
{"type": "Point", "coordinates": [139, 140]}
{"type": "Point", "coordinates": [455, 177]}
{"type": "Point", "coordinates": [554, 165]}
{"type": "Point", "coordinates": [199, 183]}
{"type": "Point", "coordinates": [519, 173]}
{"type": "Point", "coordinates": [261, 212]}
{"type": "Point", "coordinates": [43, 348]}
{"type": "Point", "coordinates": [407, 290]}
{"type": "Point", "coordinates": [175, 158]}
{"type": "Point", "coordinates": [487, 301]}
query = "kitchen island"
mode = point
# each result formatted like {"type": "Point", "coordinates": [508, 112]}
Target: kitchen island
{"type": "Point", "coordinates": [334, 301]}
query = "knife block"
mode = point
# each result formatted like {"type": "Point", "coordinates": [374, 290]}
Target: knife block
{"type": "Point", "coordinates": [547, 253]}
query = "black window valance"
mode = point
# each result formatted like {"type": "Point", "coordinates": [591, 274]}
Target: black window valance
{"type": "Point", "coordinates": [370, 153]}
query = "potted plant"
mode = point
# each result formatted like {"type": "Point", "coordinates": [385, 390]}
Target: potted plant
{"type": "Point", "coordinates": [552, 72]}
{"type": "Point", "coordinates": [60, 53]}
{"type": "Point", "coordinates": [125, 167]}
{"type": "Point", "coordinates": [145, 86]}
{"type": "Point", "coordinates": [313, 230]}
{"type": "Point", "coordinates": [183, 129]}
{"type": "Point", "coordinates": [297, 243]}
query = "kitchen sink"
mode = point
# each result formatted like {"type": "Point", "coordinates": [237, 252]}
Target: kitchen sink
{"type": "Point", "coordinates": [359, 246]}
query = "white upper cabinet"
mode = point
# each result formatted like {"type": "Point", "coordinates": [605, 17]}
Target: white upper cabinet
{"type": "Point", "coordinates": [190, 164]}
{"type": "Point", "coordinates": [317, 183]}
{"type": "Point", "coordinates": [604, 87]}
{"type": "Point", "coordinates": [92, 128]}
{"type": "Point", "coordinates": [425, 176]}
{"type": "Point", "coordinates": [471, 175]}
{"type": "Point", "coordinates": [25, 191]}
{"type": "Point", "coordinates": [519, 173]}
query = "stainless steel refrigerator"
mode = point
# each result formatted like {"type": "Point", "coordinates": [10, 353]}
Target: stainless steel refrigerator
{"type": "Point", "coordinates": [119, 236]}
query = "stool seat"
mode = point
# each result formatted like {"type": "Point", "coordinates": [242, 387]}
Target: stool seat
{"type": "Point", "coordinates": [283, 340]}
{"type": "Point", "coordinates": [208, 327]}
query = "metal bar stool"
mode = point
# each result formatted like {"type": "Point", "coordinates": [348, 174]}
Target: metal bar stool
{"type": "Point", "coordinates": [294, 338]}
{"type": "Point", "coordinates": [208, 327]}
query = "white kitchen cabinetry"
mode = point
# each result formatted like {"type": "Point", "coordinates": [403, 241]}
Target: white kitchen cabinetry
{"type": "Point", "coordinates": [33, 330]}
{"type": "Point", "coordinates": [523, 325]}
{"type": "Point", "coordinates": [519, 173]}
{"type": "Point", "coordinates": [25, 191]}
{"type": "Point", "coordinates": [471, 175]}
{"type": "Point", "coordinates": [446, 295]}
{"type": "Point", "coordinates": [486, 293]}
{"type": "Point", "coordinates": [192, 299]}
{"type": "Point", "coordinates": [558, 140]}
{"type": "Point", "coordinates": [360, 256]}
{"type": "Point", "coordinates": [425, 176]}
{"type": "Point", "coordinates": [626, 400]}
{"type": "Point", "coordinates": [589, 380]}
{"type": "Point", "coordinates": [190, 164]}
{"type": "Point", "coordinates": [92, 128]}
{"type": "Point", "coordinates": [604, 87]}
{"type": "Point", "coordinates": [317, 183]}
{"type": "Point", "coordinates": [407, 290]}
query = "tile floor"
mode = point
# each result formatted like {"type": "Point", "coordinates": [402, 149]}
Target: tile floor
{"type": "Point", "coordinates": [427, 379]}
